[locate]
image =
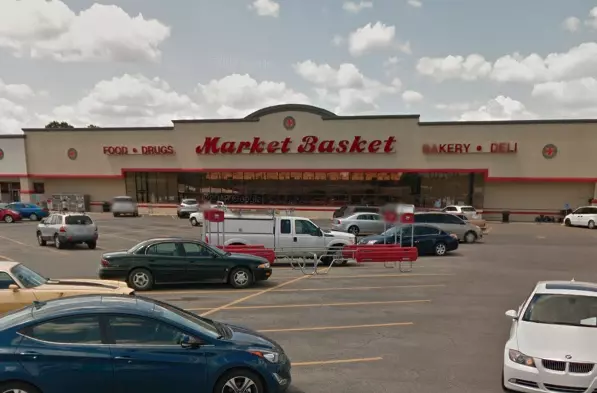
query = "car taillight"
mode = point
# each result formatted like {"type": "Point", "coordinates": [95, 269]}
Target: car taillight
{"type": "Point", "coordinates": [62, 229]}
{"type": "Point", "coordinates": [105, 263]}
{"type": "Point", "coordinates": [338, 222]}
{"type": "Point", "coordinates": [206, 239]}
{"type": "Point", "coordinates": [455, 236]}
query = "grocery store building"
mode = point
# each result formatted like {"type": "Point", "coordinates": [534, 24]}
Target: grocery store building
{"type": "Point", "coordinates": [313, 160]}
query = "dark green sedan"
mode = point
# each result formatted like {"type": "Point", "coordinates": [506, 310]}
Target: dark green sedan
{"type": "Point", "coordinates": [181, 261]}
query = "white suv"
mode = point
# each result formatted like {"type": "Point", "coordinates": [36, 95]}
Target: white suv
{"type": "Point", "coordinates": [585, 216]}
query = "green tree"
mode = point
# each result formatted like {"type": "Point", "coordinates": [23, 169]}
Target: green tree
{"type": "Point", "coordinates": [59, 124]}
{"type": "Point", "coordinates": [92, 126]}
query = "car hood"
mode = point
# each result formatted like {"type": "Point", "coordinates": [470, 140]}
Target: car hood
{"type": "Point", "coordinates": [245, 336]}
{"type": "Point", "coordinates": [247, 257]}
{"type": "Point", "coordinates": [340, 235]}
{"type": "Point", "coordinates": [76, 284]}
{"type": "Point", "coordinates": [556, 342]}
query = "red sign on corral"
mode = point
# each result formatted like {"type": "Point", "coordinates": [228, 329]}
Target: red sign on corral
{"type": "Point", "coordinates": [213, 215]}
{"type": "Point", "coordinates": [407, 218]}
{"type": "Point", "coordinates": [390, 216]}
{"type": "Point", "coordinates": [158, 150]}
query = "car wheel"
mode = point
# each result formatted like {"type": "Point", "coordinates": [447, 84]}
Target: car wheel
{"type": "Point", "coordinates": [17, 387]}
{"type": "Point", "coordinates": [40, 239]}
{"type": "Point", "coordinates": [33, 217]}
{"type": "Point", "coordinates": [57, 243]}
{"type": "Point", "coordinates": [92, 245]}
{"type": "Point", "coordinates": [354, 230]}
{"type": "Point", "coordinates": [470, 237]}
{"type": "Point", "coordinates": [567, 222]}
{"type": "Point", "coordinates": [8, 219]}
{"type": "Point", "coordinates": [194, 222]}
{"type": "Point", "coordinates": [239, 381]}
{"type": "Point", "coordinates": [241, 278]}
{"type": "Point", "coordinates": [440, 249]}
{"type": "Point", "coordinates": [141, 280]}
{"type": "Point", "coordinates": [334, 252]}
{"type": "Point", "coordinates": [591, 224]}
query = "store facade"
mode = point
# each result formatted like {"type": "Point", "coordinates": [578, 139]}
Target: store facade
{"type": "Point", "coordinates": [13, 168]}
{"type": "Point", "coordinates": [312, 160]}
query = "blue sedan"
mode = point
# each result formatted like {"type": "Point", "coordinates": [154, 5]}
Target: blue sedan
{"type": "Point", "coordinates": [29, 210]}
{"type": "Point", "coordinates": [427, 238]}
{"type": "Point", "coordinates": [130, 344]}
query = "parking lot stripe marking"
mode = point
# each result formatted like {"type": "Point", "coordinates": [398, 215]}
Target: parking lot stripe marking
{"type": "Point", "coordinates": [6, 258]}
{"type": "Point", "coordinates": [227, 305]}
{"type": "Point", "coordinates": [402, 275]}
{"type": "Point", "coordinates": [338, 361]}
{"type": "Point", "coordinates": [335, 327]}
{"type": "Point", "coordinates": [30, 245]}
{"type": "Point", "coordinates": [270, 306]}
{"type": "Point", "coordinates": [119, 237]}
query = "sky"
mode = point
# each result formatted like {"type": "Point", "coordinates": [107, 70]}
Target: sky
{"type": "Point", "coordinates": [147, 62]}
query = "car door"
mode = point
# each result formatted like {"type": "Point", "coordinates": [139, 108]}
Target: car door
{"type": "Point", "coordinates": [285, 237]}
{"type": "Point", "coordinates": [19, 207]}
{"type": "Point", "coordinates": [167, 262]}
{"type": "Point", "coordinates": [203, 264]}
{"type": "Point", "coordinates": [425, 238]}
{"type": "Point", "coordinates": [364, 222]}
{"type": "Point", "coordinates": [148, 357]}
{"type": "Point", "coordinates": [378, 225]}
{"type": "Point", "coordinates": [67, 355]}
{"type": "Point", "coordinates": [12, 299]}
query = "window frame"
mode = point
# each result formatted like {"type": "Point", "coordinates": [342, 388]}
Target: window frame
{"type": "Point", "coordinates": [176, 248]}
{"type": "Point", "coordinates": [14, 282]}
{"type": "Point", "coordinates": [27, 331]}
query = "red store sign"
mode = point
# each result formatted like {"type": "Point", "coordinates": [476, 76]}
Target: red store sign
{"type": "Point", "coordinates": [308, 145]}
{"type": "Point", "coordinates": [159, 150]}
{"type": "Point", "coordinates": [468, 148]}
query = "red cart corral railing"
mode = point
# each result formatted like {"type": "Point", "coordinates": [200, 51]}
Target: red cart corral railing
{"type": "Point", "coordinates": [388, 254]}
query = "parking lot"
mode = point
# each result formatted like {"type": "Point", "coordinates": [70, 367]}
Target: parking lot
{"type": "Point", "coordinates": [363, 328]}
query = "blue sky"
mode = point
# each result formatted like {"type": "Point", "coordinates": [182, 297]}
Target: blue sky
{"type": "Point", "coordinates": [84, 63]}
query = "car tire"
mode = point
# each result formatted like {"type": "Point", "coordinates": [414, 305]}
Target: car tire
{"type": "Point", "coordinates": [329, 257]}
{"type": "Point", "coordinates": [40, 240]}
{"type": "Point", "coordinates": [18, 387]}
{"type": "Point", "coordinates": [470, 237]}
{"type": "Point", "coordinates": [57, 243]}
{"type": "Point", "coordinates": [354, 230]}
{"type": "Point", "coordinates": [194, 221]}
{"type": "Point", "coordinates": [240, 278]}
{"type": "Point", "coordinates": [8, 219]}
{"type": "Point", "coordinates": [140, 279]}
{"type": "Point", "coordinates": [92, 245]}
{"type": "Point", "coordinates": [567, 222]}
{"type": "Point", "coordinates": [116, 214]}
{"type": "Point", "coordinates": [238, 377]}
{"type": "Point", "coordinates": [440, 249]}
{"type": "Point", "coordinates": [33, 217]}
{"type": "Point", "coordinates": [591, 224]}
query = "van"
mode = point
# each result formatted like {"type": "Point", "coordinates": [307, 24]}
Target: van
{"type": "Point", "coordinates": [584, 216]}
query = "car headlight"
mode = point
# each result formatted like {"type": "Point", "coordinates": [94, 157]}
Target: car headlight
{"type": "Point", "coordinates": [521, 358]}
{"type": "Point", "coordinates": [270, 356]}
{"type": "Point", "coordinates": [372, 242]}
{"type": "Point", "coordinates": [263, 266]}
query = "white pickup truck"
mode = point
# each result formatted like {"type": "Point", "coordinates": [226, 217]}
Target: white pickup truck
{"type": "Point", "coordinates": [288, 235]}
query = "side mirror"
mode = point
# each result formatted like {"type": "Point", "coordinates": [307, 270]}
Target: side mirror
{"type": "Point", "coordinates": [512, 314]}
{"type": "Point", "coordinates": [14, 287]}
{"type": "Point", "coordinates": [43, 221]}
{"type": "Point", "coordinates": [189, 342]}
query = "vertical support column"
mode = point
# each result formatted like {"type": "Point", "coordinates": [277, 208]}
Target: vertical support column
{"type": "Point", "coordinates": [26, 189]}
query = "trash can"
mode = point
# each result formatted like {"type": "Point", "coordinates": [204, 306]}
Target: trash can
{"type": "Point", "coordinates": [505, 216]}
{"type": "Point", "coordinates": [106, 207]}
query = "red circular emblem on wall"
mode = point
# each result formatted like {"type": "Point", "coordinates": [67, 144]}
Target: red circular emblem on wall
{"type": "Point", "coordinates": [289, 122]}
{"type": "Point", "coordinates": [550, 151]}
{"type": "Point", "coordinates": [72, 153]}
{"type": "Point", "coordinates": [1, 154]}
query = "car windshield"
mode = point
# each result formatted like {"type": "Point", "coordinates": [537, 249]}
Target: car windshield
{"type": "Point", "coordinates": [27, 277]}
{"type": "Point", "coordinates": [78, 220]}
{"type": "Point", "coordinates": [187, 319]}
{"type": "Point", "coordinates": [557, 309]}
{"type": "Point", "coordinates": [468, 209]}
{"type": "Point", "coordinates": [189, 201]}
{"type": "Point", "coordinates": [136, 247]}
{"type": "Point", "coordinates": [395, 230]}
{"type": "Point", "coordinates": [123, 199]}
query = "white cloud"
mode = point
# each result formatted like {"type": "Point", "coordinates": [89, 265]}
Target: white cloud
{"type": "Point", "coordinates": [412, 97]}
{"type": "Point", "coordinates": [471, 68]}
{"type": "Point", "coordinates": [238, 95]}
{"type": "Point", "coordinates": [13, 117]}
{"type": "Point", "coordinates": [415, 3]}
{"type": "Point", "coordinates": [575, 98]}
{"type": "Point", "coordinates": [266, 8]}
{"type": "Point", "coordinates": [571, 24]}
{"type": "Point", "coordinates": [455, 106]}
{"type": "Point", "coordinates": [50, 29]}
{"type": "Point", "coordinates": [13, 91]}
{"type": "Point", "coordinates": [345, 87]}
{"type": "Point", "coordinates": [371, 37]}
{"type": "Point", "coordinates": [499, 108]}
{"type": "Point", "coordinates": [355, 8]}
{"type": "Point", "coordinates": [592, 21]}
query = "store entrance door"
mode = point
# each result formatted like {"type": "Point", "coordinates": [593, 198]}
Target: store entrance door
{"type": "Point", "coordinates": [15, 195]}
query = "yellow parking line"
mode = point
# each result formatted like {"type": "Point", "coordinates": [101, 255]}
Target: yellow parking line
{"type": "Point", "coordinates": [402, 275]}
{"type": "Point", "coordinates": [338, 361]}
{"type": "Point", "coordinates": [6, 258]}
{"type": "Point", "coordinates": [307, 305]}
{"type": "Point", "coordinates": [227, 305]}
{"type": "Point", "coordinates": [335, 327]}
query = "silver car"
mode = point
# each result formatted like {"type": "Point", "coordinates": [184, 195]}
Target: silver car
{"type": "Point", "coordinates": [465, 230]}
{"type": "Point", "coordinates": [186, 207]}
{"type": "Point", "coordinates": [361, 224]}
{"type": "Point", "coordinates": [67, 229]}
{"type": "Point", "coordinates": [124, 206]}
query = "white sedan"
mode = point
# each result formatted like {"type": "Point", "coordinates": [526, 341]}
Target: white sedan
{"type": "Point", "coordinates": [553, 340]}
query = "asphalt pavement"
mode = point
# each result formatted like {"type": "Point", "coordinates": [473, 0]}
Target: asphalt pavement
{"type": "Point", "coordinates": [439, 328]}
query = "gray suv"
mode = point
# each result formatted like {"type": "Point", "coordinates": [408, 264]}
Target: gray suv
{"type": "Point", "coordinates": [67, 229]}
{"type": "Point", "coordinates": [186, 207]}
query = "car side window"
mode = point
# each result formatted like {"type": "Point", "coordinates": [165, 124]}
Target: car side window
{"type": "Point", "coordinates": [421, 218]}
{"type": "Point", "coordinates": [363, 217]}
{"type": "Point", "coordinates": [580, 210]}
{"type": "Point", "coordinates": [196, 250]}
{"type": "Point", "coordinates": [167, 249]}
{"type": "Point", "coordinates": [303, 227]}
{"type": "Point", "coordinates": [6, 280]}
{"type": "Point", "coordinates": [451, 209]}
{"type": "Point", "coordinates": [285, 226]}
{"type": "Point", "coordinates": [129, 330]}
{"type": "Point", "coordinates": [425, 230]}
{"type": "Point", "coordinates": [69, 330]}
{"type": "Point", "coordinates": [451, 219]}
